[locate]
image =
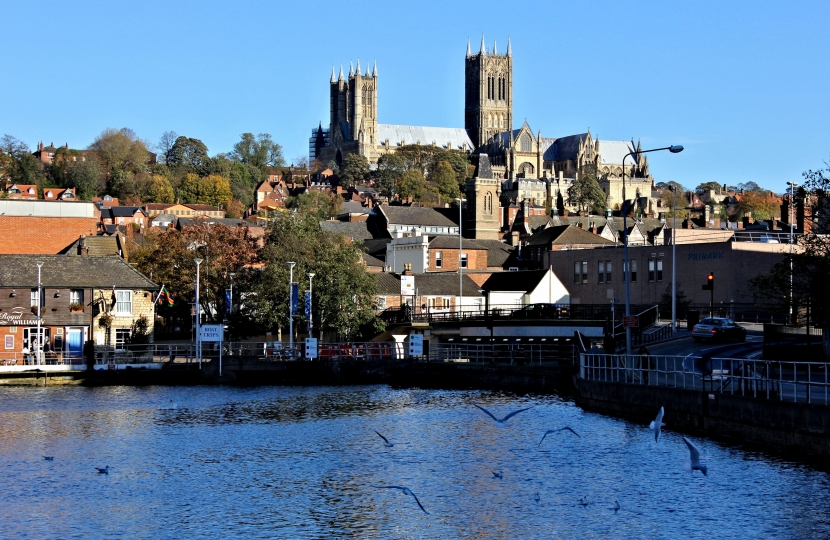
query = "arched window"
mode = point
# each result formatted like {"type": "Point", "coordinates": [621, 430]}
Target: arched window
{"type": "Point", "coordinates": [525, 170]}
{"type": "Point", "coordinates": [526, 144]}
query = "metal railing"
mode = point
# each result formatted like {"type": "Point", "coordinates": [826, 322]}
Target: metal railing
{"type": "Point", "coordinates": [508, 353]}
{"type": "Point", "coordinates": [510, 312]}
{"type": "Point", "coordinates": [47, 358]}
{"type": "Point", "coordinates": [797, 382]}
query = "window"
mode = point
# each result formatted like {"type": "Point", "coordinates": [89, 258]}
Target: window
{"type": "Point", "coordinates": [601, 271]}
{"type": "Point", "coordinates": [34, 298]}
{"type": "Point", "coordinates": [577, 272]}
{"type": "Point", "coordinates": [651, 270]}
{"type": "Point", "coordinates": [463, 260]}
{"type": "Point", "coordinates": [76, 296]}
{"type": "Point", "coordinates": [659, 269]}
{"type": "Point", "coordinates": [526, 144]}
{"type": "Point", "coordinates": [122, 337]}
{"type": "Point", "coordinates": [584, 271]}
{"type": "Point", "coordinates": [124, 302]}
{"type": "Point", "coordinates": [381, 302]}
{"type": "Point", "coordinates": [439, 259]}
{"type": "Point", "coordinates": [633, 271]}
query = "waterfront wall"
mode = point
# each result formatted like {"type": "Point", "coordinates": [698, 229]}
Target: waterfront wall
{"type": "Point", "coordinates": [798, 429]}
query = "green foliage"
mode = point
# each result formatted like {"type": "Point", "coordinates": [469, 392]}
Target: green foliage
{"type": "Point", "coordinates": [322, 205]}
{"type": "Point", "coordinates": [213, 190]}
{"type": "Point", "coordinates": [259, 151]}
{"type": "Point", "coordinates": [586, 194]}
{"type": "Point", "coordinates": [706, 186]}
{"type": "Point", "coordinates": [390, 169]}
{"type": "Point", "coordinates": [444, 180]}
{"type": "Point", "coordinates": [140, 332]}
{"type": "Point", "coordinates": [343, 291]}
{"type": "Point", "coordinates": [85, 177]}
{"type": "Point", "coordinates": [189, 155]}
{"type": "Point", "coordinates": [411, 184]}
{"type": "Point", "coordinates": [355, 170]}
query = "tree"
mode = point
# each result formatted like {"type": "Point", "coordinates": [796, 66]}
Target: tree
{"type": "Point", "coordinates": [259, 151]}
{"type": "Point", "coordinates": [586, 194]}
{"type": "Point", "coordinates": [190, 155]}
{"type": "Point", "coordinates": [444, 179]}
{"type": "Point", "coordinates": [355, 170]}
{"type": "Point", "coordinates": [411, 184]}
{"type": "Point", "coordinates": [160, 190]}
{"type": "Point", "coordinates": [318, 203]}
{"type": "Point", "coordinates": [390, 169]}
{"type": "Point", "coordinates": [751, 187]}
{"type": "Point", "coordinates": [707, 186]}
{"type": "Point", "coordinates": [670, 198]}
{"type": "Point", "coordinates": [758, 204]}
{"type": "Point", "coordinates": [189, 189]}
{"type": "Point", "coordinates": [85, 177]}
{"type": "Point", "coordinates": [165, 146]}
{"type": "Point", "coordinates": [682, 302]}
{"type": "Point", "coordinates": [121, 150]}
{"type": "Point", "coordinates": [344, 292]}
{"type": "Point", "coordinates": [234, 209]}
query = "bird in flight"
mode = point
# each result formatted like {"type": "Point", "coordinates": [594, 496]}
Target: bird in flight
{"type": "Point", "coordinates": [387, 444]}
{"type": "Point", "coordinates": [548, 432]}
{"type": "Point", "coordinates": [657, 424]}
{"type": "Point", "coordinates": [105, 470]}
{"type": "Point", "coordinates": [693, 463]}
{"type": "Point", "coordinates": [501, 420]}
{"type": "Point", "coordinates": [49, 458]}
{"type": "Point", "coordinates": [406, 491]}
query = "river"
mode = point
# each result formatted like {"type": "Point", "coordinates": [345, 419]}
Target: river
{"type": "Point", "coordinates": [286, 462]}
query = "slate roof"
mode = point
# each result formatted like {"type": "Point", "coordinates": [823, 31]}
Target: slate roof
{"type": "Point", "coordinates": [99, 246]}
{"type": "Point", "coordinates": [613, 152]}
{"type": "Point", "coordinates": [372, 261]}
{"type": "Point", "coordinates": [375, 247]}
{"type": "Point", "coordinates": [353, 207]}
{"type": "Point", "coordinates": [451, 242]}
{"type": "Point", "coordinates": [356, 230]}
{"type": "Point", "coordinates": [123, 211]}
{"type": "Point", "coordinates": [20, 271]}
{"type": "Point", "coordinates": [537, 222]}
{"type": "Point", "coordinates": [524, 281]}
{"type": "Point", "coordinates": [399, 135]}
{"type": "Point", "coordinates": [564, 235]}
{"type": "Point", "coordinates": [497, 252]}
{"type": "Point", "coordinates": [414, 215]}
{"type": "Point", "coordinates": [430, 284]}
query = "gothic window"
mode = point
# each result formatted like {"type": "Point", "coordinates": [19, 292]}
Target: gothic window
{"type": "Point", "coordinates": [526, 145]}
{"type": "Point", "coordinates": [525, 170]}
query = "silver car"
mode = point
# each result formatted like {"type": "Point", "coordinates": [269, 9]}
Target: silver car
{"type": "Point", "coordinates": [718, 328]}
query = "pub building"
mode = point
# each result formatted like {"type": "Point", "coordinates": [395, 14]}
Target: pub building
{"type": "Point", "coordinates": [81, 298]}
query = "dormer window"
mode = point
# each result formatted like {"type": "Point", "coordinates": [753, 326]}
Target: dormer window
{"type": "Point", "coordinates": [49, 194]}
{"type": "Point", "coordinates": [31, 191]}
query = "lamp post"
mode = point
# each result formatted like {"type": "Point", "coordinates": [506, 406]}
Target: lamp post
{"type": "Point", "coordinates": [626, 271]}
{"type": "Point", "coordinates": [39, 292]}
{"type": "Point", "coordinates": [310, 313]}
{"type": "Point", "coordinates": [291, 307]}
{"type": "Point", "coordinates": [460, 275]}
{"type": "Point", "coordinates": [231, 274]}
{"type": "Point", "coordinates": [673, 188]}
{"type": "Point", "coordinates": [792, 200]}
{"type": "Point", "coordinates": [198, 317]}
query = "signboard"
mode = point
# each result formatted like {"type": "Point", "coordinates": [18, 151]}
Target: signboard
{"type": "Point", "coordinates": [631, 321]}
{"type": "Point", "coordinates": [407, 285]}
{"type": "Point", "coordinates": [416, 344]}
{"type": "Point", "coordinates": [211, 332]}
{"type": "Point", "coordinates": [310, 348]}
{"type": "Point", "coordinates": [18, 316]}
{"type": "Point", "coordinates": [295, 298]}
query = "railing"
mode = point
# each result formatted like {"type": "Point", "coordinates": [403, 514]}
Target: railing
{"type": "Point", "coordinates": [47, 358]}
{"type": "Point", "coordinates": [508, 353]}
{"type": "Point", "coordinates": [797, 382]}
{"type": "Point", "coordinates": [509, 312]}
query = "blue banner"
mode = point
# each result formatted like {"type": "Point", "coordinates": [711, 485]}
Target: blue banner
{"type": "Point", "coordinates": [295, 298]}
{"type": "Point", "coordinates": [308, 309]}
{"type": "Point", "coordinates": [227, 301]}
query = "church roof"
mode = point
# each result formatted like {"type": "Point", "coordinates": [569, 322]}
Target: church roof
{"type": "Point", "coordinates": [399, 135]}
{"type": "Point", "coordinates": [613, 152]}
{"type": "Point", "coordinates": [564, 148]}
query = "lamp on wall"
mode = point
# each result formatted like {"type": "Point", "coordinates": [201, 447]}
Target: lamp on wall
{"type": "Point", "coordinates": [57, 294]}
{"type": "Point", "coordinates": [13, 294]}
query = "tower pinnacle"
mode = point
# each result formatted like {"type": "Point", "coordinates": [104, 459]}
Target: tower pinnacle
{"type": "Point", "coordinates": [509, 49]}
{"type": "Point", "coordinates": [469, 54]}
{"type": "Point", "coordinates": [483, 50]}
{"type": "Point", "coordinates": [340, 78]}
{"type": "Point", "coordinates": [375, 69]}
{"type": "Point", "coordinates": [351, 69]}
{"type": "Point", "coordinates": [357, 71]}
{"type": "Point", "coordinates": [333, 79]}
{"type": "Point", "coordinates": [495, 49]}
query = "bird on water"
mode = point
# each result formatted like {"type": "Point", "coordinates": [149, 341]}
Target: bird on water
{"type": "Point", "coordinates": [49, 458]}
{"type": "Point", "coordinates": [105, 470]}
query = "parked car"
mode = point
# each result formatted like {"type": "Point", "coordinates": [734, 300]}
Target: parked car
{"type": "Point", "coordinates": [718, 328]}
{"type": "Point", "coordinates": [541, 311]}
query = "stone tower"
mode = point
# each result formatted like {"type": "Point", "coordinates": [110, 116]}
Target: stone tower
{"type": "Point", "coordinates": [488, 96]}
{"type": "Point", "coordinates": [354, 110]}
{"type": "Point", "coordinates": [483, 194]}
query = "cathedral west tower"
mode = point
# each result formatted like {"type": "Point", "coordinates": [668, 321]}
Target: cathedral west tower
{"type": "Point", "coordinates": [488, 96]}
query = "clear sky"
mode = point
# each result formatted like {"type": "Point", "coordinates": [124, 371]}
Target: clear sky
{"type": "Point", "coordinates": [742, 85]}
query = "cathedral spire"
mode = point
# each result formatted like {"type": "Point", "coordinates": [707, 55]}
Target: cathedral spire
{"type": "Point", "coordinates": [340, 78]}
{"type": "Point", "coordinates": [357, 71]}
{"type": "Point", "coordinates": [368, 73]}
{"type": "Point", "coordinates": [351, 69]}
{"type": "Point", "coordinates": [333, 79]}
{"type": "Point", "coordinates": [495, 49]}
{"type": "Point", "coordinates": [375, 69]}
{"type": "Point", "coordinates": [483, 51]}
{"type": "Point", "coordinates": [469, 54]}
{"type": "Point", "coordinates": [509, 48]}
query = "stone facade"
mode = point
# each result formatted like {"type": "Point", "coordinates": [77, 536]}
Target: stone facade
{"type": "Point", "coordinates": [483, 195]}
{"type": "Point", "coordinates": [488, 92]}
{"type": "Point", "coordinates": [121, 322]}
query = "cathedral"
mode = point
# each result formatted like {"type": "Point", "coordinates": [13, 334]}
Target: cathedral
{"type": "Point", "coordinates": [528, 165]}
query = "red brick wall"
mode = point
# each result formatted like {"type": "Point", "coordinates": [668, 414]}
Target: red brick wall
{"type": "Point", "coordinates": [476, 260]}
{"type": "Point", "coordinates": [42, 235]}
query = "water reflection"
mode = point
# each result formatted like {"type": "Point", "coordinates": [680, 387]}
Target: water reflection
{"type": "Point", "coordinates": [300, 463]}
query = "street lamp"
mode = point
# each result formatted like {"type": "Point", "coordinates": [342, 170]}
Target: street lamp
{"type": "Point", "coordinates": [673, 188]}
{"type": "Point", "coordinates": [231, 274]}
{"type": "Point", "coordinates": [460, 277]}
{"type": "Point", "coordinates": [291, 307]}
{"type": "Point", "coordinates": [792, 200]}
{"type": "Point", "coordinates": [39, 292]}
{"type": "Point", "coordinates": [676, 149]}
{"type": "Point", "coordinates": [310, 313]}
{"type": "Point", "coordinates": [198, 317]}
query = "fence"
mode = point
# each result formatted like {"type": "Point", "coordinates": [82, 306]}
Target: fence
{"type": "Point", "coordinates": [800, 382]}
{"type": "Point", "coordinates": [509, 353]}
{"type": "Point", "coordinates": [510, 312]}
{"type": "Point", "coordinates": [50, 358]}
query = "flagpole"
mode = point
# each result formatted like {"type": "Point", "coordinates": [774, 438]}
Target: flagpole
{"type": "Point", "coordinates": [159, 294]}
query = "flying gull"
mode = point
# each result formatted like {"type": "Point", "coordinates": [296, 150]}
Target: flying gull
{"type": "Point", "coordinates": [501, 420]}
{"type": "Point", "coordinates": [693, 463]}
{"type": "Point", "coordinates": [406, 491]}
{"type": "Point", "coordinates": [385, 440]}
{"type": "Point", "coordinates": [548, 432]}
{"type": "Point", "coordinates": [657, 424]}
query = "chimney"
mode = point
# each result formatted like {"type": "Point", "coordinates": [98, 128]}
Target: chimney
{"type": "Point", "coordinates": [747, 221]}
{"type": "Point", "coordinates": [526, 211]}
{"type": "Point", "coordinates": [407, 269]}
{"type": "Point", "coordinates": [514, 238]}
{"type": "Point", "coordinates": [83, 249]}
{"type": "Point", "coordinates": [707, 214]}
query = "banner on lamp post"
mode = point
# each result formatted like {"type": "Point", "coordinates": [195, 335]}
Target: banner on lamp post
{"type": "Point", "coordinates": [308, 310]}
{"type": "Point", "coordinates": [295, 298]}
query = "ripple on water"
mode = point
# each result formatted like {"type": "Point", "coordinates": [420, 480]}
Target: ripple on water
{"type": "Point", "coordinates": [300, 463]}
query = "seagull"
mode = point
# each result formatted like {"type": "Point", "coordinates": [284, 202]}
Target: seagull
{"type": "Point", "coordinates": [498, 474]}
{"type": "Point", "coordinates": [536, 497]}
{"type": "Point", "coordinates": [385, 440]}
{"type": "Point", "coordinates": [657, 424]}
{"type": "Point", "coordinates": [49, 458]}
{"type": "Point", "coordinates": [583, 501]}
{"type": "Point", "coordinates": [501, 420]}
{"type": "Point", "coordinates": [105, 470]}
{"type": "Point", "coordinates": [406, 491]}
{"type": "Point", "coordinates": [548, 432]}
{"type": "Point", "coordinates": [693, 463]}
{"type": "Point", "coordinates": [616, 506]}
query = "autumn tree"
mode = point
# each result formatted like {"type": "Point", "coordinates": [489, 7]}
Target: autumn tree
{"type": "Point", "coordinates": [160, 190]}
{"type": "Point", "coordinates": [673, 192]}
{"type": "Point", "coordinates": [411, 184]}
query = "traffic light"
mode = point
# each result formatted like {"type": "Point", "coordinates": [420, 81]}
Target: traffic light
{"type": "Point", "coordinates": [710, 282]}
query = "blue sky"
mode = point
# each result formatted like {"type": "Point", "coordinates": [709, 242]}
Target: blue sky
{"type": "Point", "coordinates": [742, 85]}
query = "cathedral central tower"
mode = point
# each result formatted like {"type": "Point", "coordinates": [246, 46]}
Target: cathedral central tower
{"type": "Point", "coordinates": [488, 96]}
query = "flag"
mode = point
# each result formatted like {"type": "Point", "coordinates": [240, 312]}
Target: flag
{"type": "Point", "coordinates": [164, 294]}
